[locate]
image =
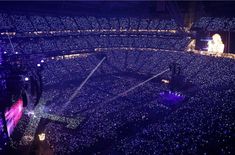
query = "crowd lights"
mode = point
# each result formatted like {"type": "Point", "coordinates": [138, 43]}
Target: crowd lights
{"type": "Point", "coordinates": [31, 114]}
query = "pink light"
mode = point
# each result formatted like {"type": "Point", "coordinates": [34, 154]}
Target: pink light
{"type": "Point", "coordinates": [13, 115]}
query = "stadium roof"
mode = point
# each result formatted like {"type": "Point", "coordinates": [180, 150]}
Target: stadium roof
{"type": "Point", "coordinates": [120, 8]}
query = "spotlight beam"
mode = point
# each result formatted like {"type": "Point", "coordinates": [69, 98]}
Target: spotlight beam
{"type": "Point", "coordinates": [13, 49]}
{"type": "Point", "coordinates": [136, 86]}
{"type": "Point", "coordinates": [83, 83]}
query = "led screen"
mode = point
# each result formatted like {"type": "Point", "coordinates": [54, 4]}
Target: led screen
{"type": "Point", "coordinates": [13, 115]}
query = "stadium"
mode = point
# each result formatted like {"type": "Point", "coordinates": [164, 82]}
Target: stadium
{"type": "Point", "coordinates": [114, 78]}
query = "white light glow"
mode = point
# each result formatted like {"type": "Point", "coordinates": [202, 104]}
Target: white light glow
{"type": "Point", "coordinates": [215, 46]}
{"type": "Point", "coordinates": [165, 81]}
{"type": "Point", "coordinates": [26, 79]}
{"type": "Point", "coordinates": [42, 136]}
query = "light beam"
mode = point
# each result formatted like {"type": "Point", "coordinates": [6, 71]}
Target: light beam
{"type": "Point", "coordinates": [136, 86]}
{"type": "Point", "coordinates": [82, 84]}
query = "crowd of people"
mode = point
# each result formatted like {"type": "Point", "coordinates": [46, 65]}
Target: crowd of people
{"type": "Point", "coordinates": [32, 23]}
{"type": "Point", "coordinates": [91, 42]}
{"type": "Point", "coordinates": [44, 34]}
{"type": "Point", "coordinates": [215, 24]}
{"type": "Point", "coordinates": [138, 122]}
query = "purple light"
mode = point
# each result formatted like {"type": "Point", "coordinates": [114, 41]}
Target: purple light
{"type": "Point", "coordinates": [3, 134]}
{"type": "Point", "coordinates": [42, 61]}
{"type": "Point", "coordinates": [38, 65]}
{"type": "Point", "coordinates": [13, 115]}
{"type": "Point", "coordinates": [171, 98]}
{"type": "Point", "coordinates": [1, 125]}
